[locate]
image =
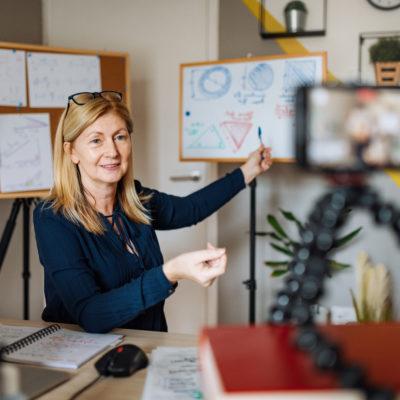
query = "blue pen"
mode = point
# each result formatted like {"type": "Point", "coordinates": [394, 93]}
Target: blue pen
{"type": "Point", "coordinates": [259, 137]}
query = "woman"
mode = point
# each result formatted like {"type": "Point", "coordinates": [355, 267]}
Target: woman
{"type": "Point", "coordinates": [96, 231]}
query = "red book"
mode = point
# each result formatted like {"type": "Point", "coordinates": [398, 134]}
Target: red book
{"type": "Point", "coordinates": [261, 362]}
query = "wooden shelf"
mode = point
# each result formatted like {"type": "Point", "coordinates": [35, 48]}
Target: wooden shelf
{"type": "Point", "coordinates": [276, 35]}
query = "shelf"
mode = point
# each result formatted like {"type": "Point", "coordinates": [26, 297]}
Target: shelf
{"type": "Point", "coordinates": [276, 35]}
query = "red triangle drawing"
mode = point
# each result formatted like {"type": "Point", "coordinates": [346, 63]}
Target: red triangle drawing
{"type": "Point", "coordinates": [236, 132]}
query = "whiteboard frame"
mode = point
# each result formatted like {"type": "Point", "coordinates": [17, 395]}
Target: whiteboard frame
{"type": "Point", "coordinates": [322, 54]}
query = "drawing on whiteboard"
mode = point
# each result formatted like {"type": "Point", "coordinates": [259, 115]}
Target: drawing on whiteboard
{"type": "Point", "coordinates": [25, 152]}
{"type": "Point", "coordinates": [260, 77]}
{"type": "Point", "coordinates": [211, 84]}
{"type": "Point", "coordinates": [298, 73]}
{"type": "Point", "coordinates": [209, 138]}
{"type": "Point", "coordinates": [284, 111]}
{"type": "Point", "coordinates": [236, 128]}
{"type": "Point", "coordinates": [194, 129]}
{"type": "Point", "coordinates": [255, 83]}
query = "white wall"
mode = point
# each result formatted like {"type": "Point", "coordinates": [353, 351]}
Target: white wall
{"type": "Point", "coordinates": [286, 187]}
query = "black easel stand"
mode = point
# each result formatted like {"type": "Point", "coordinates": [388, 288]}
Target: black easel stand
{"type": "Point", "coordinates": [5, 241]}
{"type": "Point", "coordinates": [251, 283]}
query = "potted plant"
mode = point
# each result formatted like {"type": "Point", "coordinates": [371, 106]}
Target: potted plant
{"type": "Point", "coordinates": [385, 54]}
{"type": "Point", "coordinates": [295, 16]}
{"type": "Point", "coordinates": [373, 300]}
{"type": "Point", "coordinates": [285, 244]}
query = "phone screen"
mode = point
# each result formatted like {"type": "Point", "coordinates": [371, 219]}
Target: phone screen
{"type": "Point", "coordinates": [353, 127]}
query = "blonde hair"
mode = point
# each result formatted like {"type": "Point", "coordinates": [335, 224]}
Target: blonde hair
{"type": "Point", "coordinates": [68, 194]}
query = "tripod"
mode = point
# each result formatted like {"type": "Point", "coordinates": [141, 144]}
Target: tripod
{"type": "Point", "coordinates": [308, 270]}
{"type": "Point", "coordinates": [5, 241]}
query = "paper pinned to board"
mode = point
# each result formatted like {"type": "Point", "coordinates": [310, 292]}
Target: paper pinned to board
{"type": "Point", "coordinates": [25, 152]}
{"type": "Point", "coordinates": [173, 374]}
{"type": "Point", "coordinates": [12, 78]}
{"type": "Point", "coordinates": [53, 77]}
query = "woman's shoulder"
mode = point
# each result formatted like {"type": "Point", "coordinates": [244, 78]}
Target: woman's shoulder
{"type": "Point", "coordinates": [44, 211]}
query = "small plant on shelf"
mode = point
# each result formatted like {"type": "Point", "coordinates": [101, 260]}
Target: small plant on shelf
{"type": "Point", "coordinates": [295, 16]}
{"type": "Point", "coordinates": [295, 5]}
{"type": "Point", "coordinates": [385, 50]}
{"type": "Point", "coordinates": [385, 54]}
{"type": "Point", "coordinates": [283, 243]}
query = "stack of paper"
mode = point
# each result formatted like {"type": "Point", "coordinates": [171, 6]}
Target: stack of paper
{"type": "Point", "coordinates": [173, 374]}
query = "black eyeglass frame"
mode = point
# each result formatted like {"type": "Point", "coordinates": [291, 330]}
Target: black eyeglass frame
{"type": "Point", "coordinates": [94, 96]}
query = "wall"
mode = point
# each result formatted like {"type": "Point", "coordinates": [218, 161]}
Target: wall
{"type": "Point", "coordinates": [20, 21]}
{"type": "Point", "coordinates": [286, 187]}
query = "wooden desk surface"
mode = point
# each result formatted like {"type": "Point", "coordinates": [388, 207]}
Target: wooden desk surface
{"type": "Point", "coordinates": [111, 388]}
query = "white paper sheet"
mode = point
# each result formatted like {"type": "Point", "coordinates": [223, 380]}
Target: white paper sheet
{"type": "Point", "coordinates": [173, 374]}
{"type": "Point", "coordinates": [12, 78]}
{"type": "Point", "coordinates": [25, 152]}
{"type": "Point", "coordinates": [53, 77]}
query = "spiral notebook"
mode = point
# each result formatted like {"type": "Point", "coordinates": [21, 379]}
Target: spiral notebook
{"type": "Point", "coordinates": [52, 346]}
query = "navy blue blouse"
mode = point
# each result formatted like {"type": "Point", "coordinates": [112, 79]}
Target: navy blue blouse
{"type": "Point", "coordinates": [94, 281]}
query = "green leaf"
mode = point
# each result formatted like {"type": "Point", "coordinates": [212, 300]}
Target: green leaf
{"type": "Point", "coordinates": [273, 235]}
{"type": "Point", "coordinates": [282, 249]}
{"type": "Point", "coordinates": [291, 217]}
{"type": "Point", "coordinates": [337, 266]}
{"type": "Point", "coordinates": [278, 272]}
{"type": "Point", "coordinates": [274, 264]}
{"type": "Point", "coordinates": [277, 226]}
{"type": "Point", "coordinates": [345, 239]}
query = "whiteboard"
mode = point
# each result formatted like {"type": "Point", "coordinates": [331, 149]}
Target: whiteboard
{"type": "Point", "coordinates": [224, 105]}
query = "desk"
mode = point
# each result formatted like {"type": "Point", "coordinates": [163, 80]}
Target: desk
{"type": "Point", "coordinates": [111, 388]}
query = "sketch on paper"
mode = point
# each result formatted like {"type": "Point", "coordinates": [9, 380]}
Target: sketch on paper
{"type": "Point", "coordinates": [53, 77]}
{"type": "Point", "coordinates": [224, 104]}
{"type": "Point", "coordinates": [25, 152]}
{"type": "Point", "coordinates": [12, 78]}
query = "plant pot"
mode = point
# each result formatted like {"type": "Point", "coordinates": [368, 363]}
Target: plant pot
{"type": "Point", "coordinates": [295, 20]}
{"type": "Point", "coordinates": [387, 73]}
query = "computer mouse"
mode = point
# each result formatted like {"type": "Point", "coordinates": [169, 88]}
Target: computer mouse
{"type": "Point", "coordinates": [122, 360]}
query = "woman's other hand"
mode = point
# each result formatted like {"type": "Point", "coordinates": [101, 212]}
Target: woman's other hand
{"type": "Point", "coordinates": [201, 266]}
{"type": "Point", "coordinates": [258, 162]}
